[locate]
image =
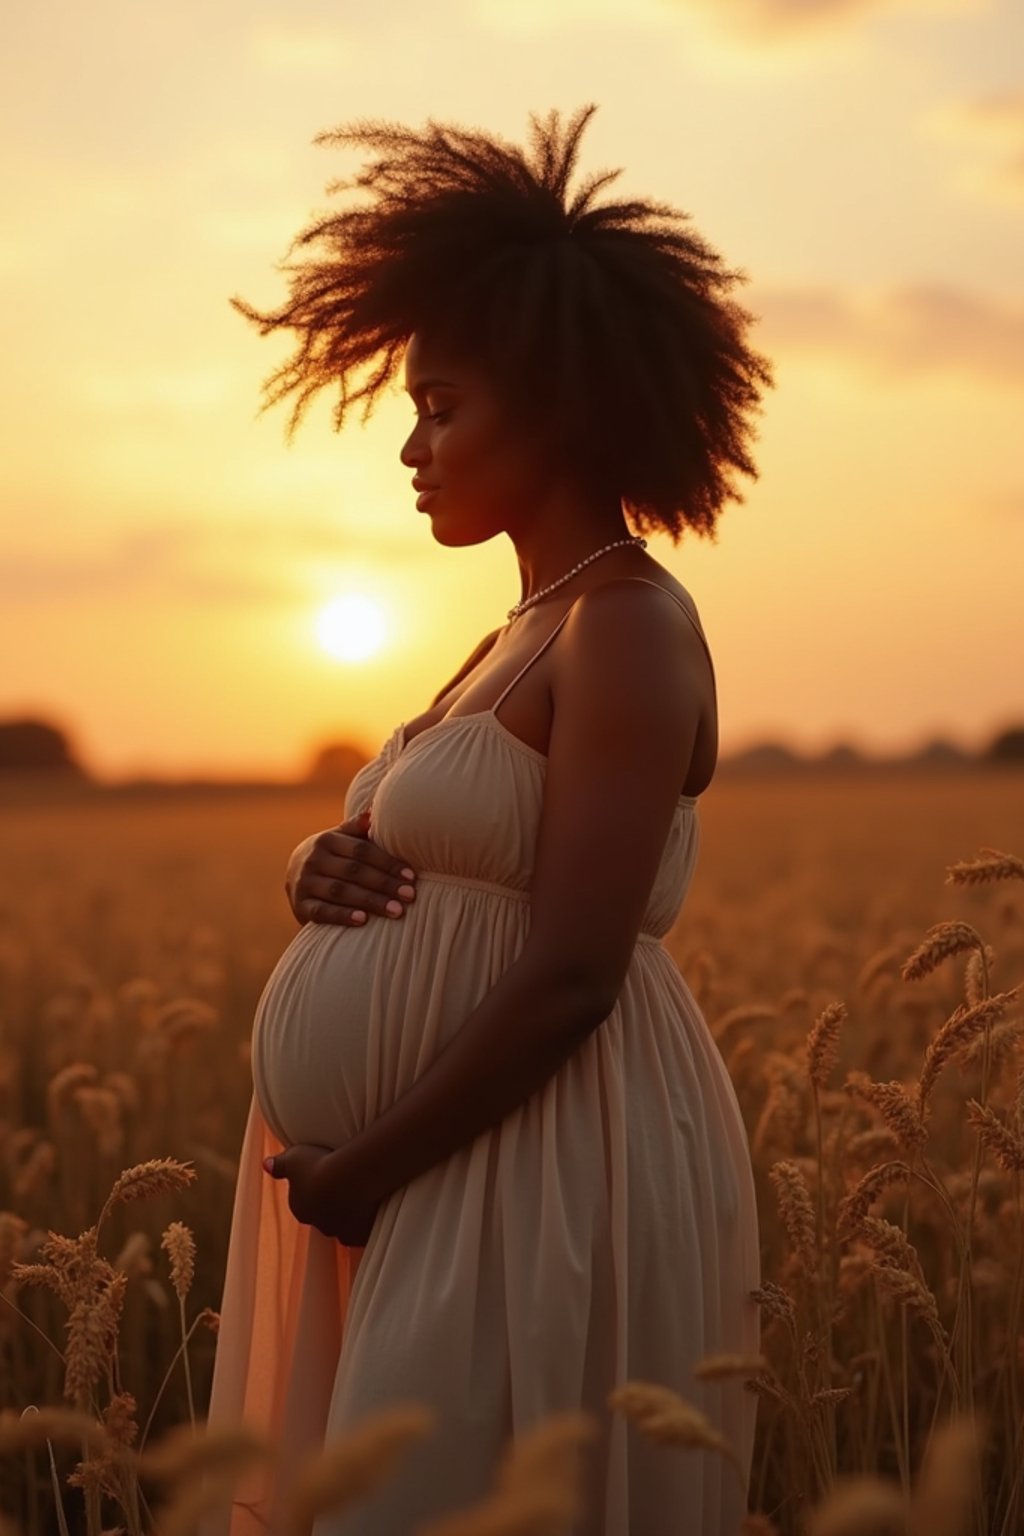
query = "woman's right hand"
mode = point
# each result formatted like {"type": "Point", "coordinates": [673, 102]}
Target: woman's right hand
{"type": "Point", "coordinates": [338, 873]}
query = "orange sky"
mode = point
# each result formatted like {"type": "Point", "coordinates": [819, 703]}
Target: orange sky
{"type": "Point", "coordinates": [164, 553]}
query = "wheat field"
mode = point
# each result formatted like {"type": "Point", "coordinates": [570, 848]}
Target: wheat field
{"type": "Point", "coordinates": [857, 947]}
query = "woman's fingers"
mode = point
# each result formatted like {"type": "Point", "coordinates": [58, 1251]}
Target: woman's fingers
{"type": "Point", "coordinates": [366, 878]}
{"type": "Point", "coordinates": [338, 900]}
{"type": "Point", "coordinates": [361, 875]}
{"type": "Point", "coordinates": [345, 874]}
{"type": "Point", "coordinates": [311, 910]}
{"type": "Point", "coordinates": [336, 844]}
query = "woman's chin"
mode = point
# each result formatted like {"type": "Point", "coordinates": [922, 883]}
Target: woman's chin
{"type": "Point", "coordinates": [448, 531]}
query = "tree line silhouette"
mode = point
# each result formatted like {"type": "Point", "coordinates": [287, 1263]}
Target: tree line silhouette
{"type": "Point", "coordinates": [37, 750]}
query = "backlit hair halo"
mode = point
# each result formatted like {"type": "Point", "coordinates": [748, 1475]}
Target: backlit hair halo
{"type": "Point", "coordinates": [608, 329]}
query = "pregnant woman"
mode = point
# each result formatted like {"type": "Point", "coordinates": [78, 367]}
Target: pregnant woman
{"type": "Point", "coordinates": [494, 1162]}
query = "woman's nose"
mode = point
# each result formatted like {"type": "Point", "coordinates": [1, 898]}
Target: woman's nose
{"type": "Point", "coordinates": [411, 455]}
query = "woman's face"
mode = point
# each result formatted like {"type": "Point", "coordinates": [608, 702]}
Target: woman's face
{"type": "Point", "coordinates": [487, 475]}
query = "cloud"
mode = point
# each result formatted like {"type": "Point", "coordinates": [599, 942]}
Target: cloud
{"type": "Point", "coordinates": [291, 48]}
{"type": "Point", "coordinates": [916, 330]}
{"type": "Point", "coordinates": [256, 560]}
{"type": "Point", "coordinates": [154, 563]}
{"type": "Point", "coordinates": [772, 21]}
{"type": "Point", "coordinates": [990, 125]}
{"type": "Point", "coordinates": [529, 17]}
{"type": "Point", "coordinates": [346, 536]}
{"type": "Point", "coordinates": [1003, 506]}
{"type": "Point", "coordinates": [755, 23]}
{"type": "Point", "coordinates": [127, 393]}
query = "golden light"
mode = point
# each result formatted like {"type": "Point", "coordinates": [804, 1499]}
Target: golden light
{"type": "Point", "coordinates": [351, 627]}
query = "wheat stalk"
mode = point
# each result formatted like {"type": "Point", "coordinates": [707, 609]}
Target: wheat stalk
{"type": "Point", "coordinates": [182, 1453]}
{"type": "Point", "coordinates": [778, 1303]}
{"type": "Point", "coordinates": [796, 1210]}
{"type": "Point", "coordinates": [963, 1026]}
{"type": "Point", "coordinates": [134, 1256]}
{"type": "Point", "coordinates": [745, 1013]}
{"type": "Point", "coordinates": [823, 1043]}
{"type": "Point", "coordinates": [92, 1338]}
{"type": "Point", "coordinates": [892, 1243]}
{"type": "Point", "coordinates": [941, 941]}
{"type": "Point", "coordinates": [355, 1465]}
{"type": "Point", "coordinates": [1002, 1041]}
{"type": "Point", "coordinates": [537, 1487]}
{"type": "Point", "coordinates": [976, 973]}
{"type": "Point", "coordinates": [63, 1083]}
{"type": "Point", "coordinates": [867, 1146]}
{"type": "Point", "coordinates": [664, 1416]}
{"type": "Point", "coordinates": [12, 1232]}
{"type": "Point", "coordinates": [158, 1176]}
{"type": "Point", "coordinates": [860, 1506]}
{"type": "Point", "coordinates": [894, 1103]}
{"type": "Point", "coordinates": [717, 1367]}
{"type": "Point", "coordinates": [911, 1292]}
{"type": "Point", "coordinates": [867, 1190]}
{"type": "Point", "coordinates": [35, 1426]}
{"type": "Point", "coordinates": [1006, 1144]}
{"type": "Point", "coordinates": [994, 865]}
{"type": "Point", "coordinates": [203, 1468]}
{"type": "Point", "coordinates": [878, 964]}
{"type": "Point", "coordinates": [180, 1246]}
{"type": "Point", "coordinates": [947, 1483]}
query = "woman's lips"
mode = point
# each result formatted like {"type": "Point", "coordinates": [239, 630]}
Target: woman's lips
{"type": "Point", "coordinates": [424, 499]}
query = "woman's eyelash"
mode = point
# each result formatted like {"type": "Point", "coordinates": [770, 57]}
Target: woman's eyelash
{"type": "Point", "coordinates": [437, 415]}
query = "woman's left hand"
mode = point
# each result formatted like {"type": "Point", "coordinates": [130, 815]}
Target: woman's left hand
{"type": "Point", "coordinates": [344, 1216]}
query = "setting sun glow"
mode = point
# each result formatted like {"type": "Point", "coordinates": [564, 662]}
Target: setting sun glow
{"type": "Point", "coordinates": [351, 627]}
{"type": "Point", "coordinates": [176, 517]}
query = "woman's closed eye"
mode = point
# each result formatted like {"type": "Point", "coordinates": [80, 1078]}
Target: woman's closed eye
{"type": "Point", "coordinates": [438, 416]}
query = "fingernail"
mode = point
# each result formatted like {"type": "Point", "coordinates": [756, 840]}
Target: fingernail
{"type": "Point", "coordinates": [268, 1165]}
{"type": "Point", "coordinates": [409, 874]}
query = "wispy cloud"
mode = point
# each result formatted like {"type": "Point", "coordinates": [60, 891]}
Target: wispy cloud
{"type": "Point", "coordinates": [157, 562]}
{"type": "Point", "coordinates": [770, 21]}
{"type": "Point", "coordinates": [131, 392]}
{"type": "Point", "coordinates": [755, 23]}
{"type": "Point", "coordinates": [532, 16]}
{"type": "Point", "coordinates": [1003, 507]}
{"type": "Point", "coordinates": [991, 127]}
{"type": "Point", "coordinates": [300, 49]}
{"type": "Point", "coordinates": [255, 560]}
{"type": "Point", "coordinates": [911, 330]}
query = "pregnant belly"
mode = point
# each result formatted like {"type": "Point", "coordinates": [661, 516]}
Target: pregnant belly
{"type": "Point", "coordinates": [310, 1036]}
{"type": "Point", "coordinates": [351, 1017]}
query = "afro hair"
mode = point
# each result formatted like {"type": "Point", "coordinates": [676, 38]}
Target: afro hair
{"type": "Point", "coordinates": [607, 329]}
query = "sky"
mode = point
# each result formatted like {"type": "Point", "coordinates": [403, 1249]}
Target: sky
{"type": "Point", "coordinates": [165, 553]}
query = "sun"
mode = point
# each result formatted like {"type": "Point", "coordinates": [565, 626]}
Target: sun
{"type": "Point", "coordinates": [351, 627]}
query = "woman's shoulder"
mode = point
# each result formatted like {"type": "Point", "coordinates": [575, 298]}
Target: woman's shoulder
{"type": "Point", "coordinates": [649, 570]}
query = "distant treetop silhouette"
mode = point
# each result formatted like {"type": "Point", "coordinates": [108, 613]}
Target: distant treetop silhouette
{"type": "Point", "coordinates": [1007, 746]}
{"type": "Point", "coordinates": [33, 746]}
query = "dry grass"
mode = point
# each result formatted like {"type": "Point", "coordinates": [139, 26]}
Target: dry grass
{"type": "Point", "coordinates": [867, 1002]}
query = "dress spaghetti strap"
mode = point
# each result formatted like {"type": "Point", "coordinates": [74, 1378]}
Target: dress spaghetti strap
{"type": "Point", "coordinates": [538, 652]}
{"type": "Point", "coordinates": [676, 599]}
{"type": "Point", "coordinates": [543, 647]}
